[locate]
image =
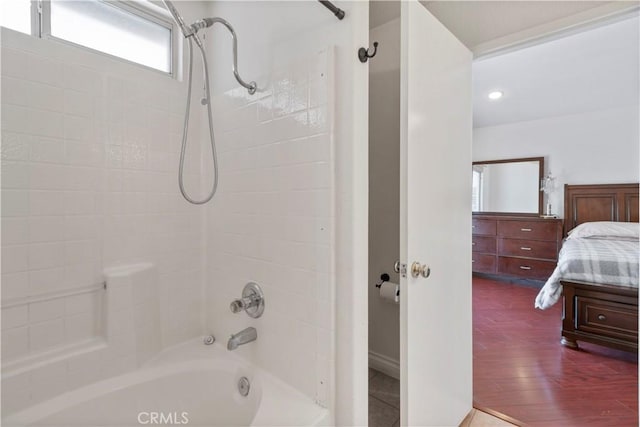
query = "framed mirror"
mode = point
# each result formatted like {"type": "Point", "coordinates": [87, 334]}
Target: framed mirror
{"type": "Point", "coordinates": [508, 186]}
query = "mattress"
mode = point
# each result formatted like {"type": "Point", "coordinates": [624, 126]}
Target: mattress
{"type": "Point", "coordinates": [603, 261]}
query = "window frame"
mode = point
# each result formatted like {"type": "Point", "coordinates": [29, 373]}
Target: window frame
{"type": "Point", "coordinates": [41, 28]}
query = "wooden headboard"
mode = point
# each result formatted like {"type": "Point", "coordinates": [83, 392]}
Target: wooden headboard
{"type": "Point", "coordinates": [602, 202]}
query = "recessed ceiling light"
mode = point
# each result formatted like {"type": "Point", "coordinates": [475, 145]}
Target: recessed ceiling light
{"type": "Point", "coordinates": [495, 95]}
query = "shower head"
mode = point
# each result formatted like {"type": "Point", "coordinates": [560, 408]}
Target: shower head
{"type": "Point", "coordinates": [186, 30]}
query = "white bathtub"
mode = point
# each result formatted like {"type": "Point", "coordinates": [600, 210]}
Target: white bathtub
{"type": "Point", "coordinates": [190, 384]}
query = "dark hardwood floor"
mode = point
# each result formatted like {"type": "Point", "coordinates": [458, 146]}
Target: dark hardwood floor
{"type": "Point", "coordinates": [521, 370]}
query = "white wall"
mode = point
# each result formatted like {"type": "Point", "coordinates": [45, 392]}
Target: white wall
{"type": "Point", "coordinates": [593, 148]}
{"type": "Point", "coordinates": [384, 194]}
{"type": "Point", "coordinates": [90, 150]}
{"type": "Point", "coordinates": [288, 215]}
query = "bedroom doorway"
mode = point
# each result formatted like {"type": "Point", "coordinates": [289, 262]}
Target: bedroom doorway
{"type": "Point", "coordinates": [564, 100]}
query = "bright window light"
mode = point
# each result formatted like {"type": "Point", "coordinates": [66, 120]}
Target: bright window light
{"type": "Point", "coordinates": [495, 95]}
{"type": "Point", "coordinates": [103, 27]}
{"type": "Point", "coordinates": [16, 14]}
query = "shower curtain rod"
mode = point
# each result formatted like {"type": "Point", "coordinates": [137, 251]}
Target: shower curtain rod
{"type": "Point", "coordinates": [333, 8]}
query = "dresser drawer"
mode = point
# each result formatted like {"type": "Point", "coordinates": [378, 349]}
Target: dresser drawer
{"type": "Point", "coordinates": [484, 244]}
{"type": "Point", "coordinates": [612, 318]}
{"type": "Point", "coordinates": [485, 227]}
{"type": "Point", "coordinates": [530, 230]}
{"type": "Point", "coordinates": [528, 248]}
{"type": "Point", "coordinates": [483, 263]}
{"type": "Point", "coordinates": [527, 268]}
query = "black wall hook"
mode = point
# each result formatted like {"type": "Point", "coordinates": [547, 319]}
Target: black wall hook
{"type": "Point", "coordinates": [364, 55]}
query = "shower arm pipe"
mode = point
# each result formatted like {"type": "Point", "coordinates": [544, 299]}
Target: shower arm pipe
{"type": "Point", "coordinates": [208, 22]}
{"type": "Point", "coordinates": [339, 13]}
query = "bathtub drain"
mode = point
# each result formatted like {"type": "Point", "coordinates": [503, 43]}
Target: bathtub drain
{"type": "Point", "coordinates": [243, 386]}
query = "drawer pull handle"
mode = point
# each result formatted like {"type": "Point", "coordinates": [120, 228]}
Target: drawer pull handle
{"type": "Point", "coordinates": [472, 261]}
{"type": "Point", "coordinates": [524, 248]}
{"type": "Point", "coordinates": [602, 317]}
{"type": "Point", "coordinates": [473, 226]}
{"type": "Point", "coordinates": [526, 229]}
{"type": "Point", "coordinates": [525, 267]}
{"type": "Point", "coordinates": [473, 243]}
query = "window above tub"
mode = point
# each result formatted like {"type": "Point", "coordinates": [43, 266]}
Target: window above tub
{"type": "Point", "coordinates": [136, 31]}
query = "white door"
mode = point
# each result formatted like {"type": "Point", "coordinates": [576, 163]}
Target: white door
{"type": "Point", "coordinates": [435, 222]}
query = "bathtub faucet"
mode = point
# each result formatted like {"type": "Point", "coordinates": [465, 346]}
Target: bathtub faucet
{"type": "Point", "coordinates": [243, 337]}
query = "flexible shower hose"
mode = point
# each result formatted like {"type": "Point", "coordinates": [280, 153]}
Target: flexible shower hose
{"type": "Point", "coordinates": [185, 129]}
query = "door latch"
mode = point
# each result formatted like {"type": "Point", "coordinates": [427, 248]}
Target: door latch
{"type": "Point", "coordinates": [401, 268]}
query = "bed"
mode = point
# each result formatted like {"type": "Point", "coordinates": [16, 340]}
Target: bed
{"type": "Point", "coordinates": [600, 298]}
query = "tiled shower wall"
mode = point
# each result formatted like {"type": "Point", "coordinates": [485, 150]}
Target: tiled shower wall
{"type": "Point", "coordinates": [90, 150]}
{"type": "Point", "coordinates": [272, 221]}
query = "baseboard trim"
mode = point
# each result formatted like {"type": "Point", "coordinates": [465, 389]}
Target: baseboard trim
{"type": "Point", "coordinates": [384, 364]}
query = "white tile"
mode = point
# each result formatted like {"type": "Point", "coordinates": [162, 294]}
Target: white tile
{"type": "Point", "coordinates": [85, 274]}
{"type": "Point", "coordinates": [15, 91]}
{"type": "Point", "coordinates": [44, 70]}
{"type": "Point", "coordinates": [82, 227]}
{"type": "Point", "coordinates": [46, 255]}
{"type": "Point", "coordinates": [15, 203]}
{"type": "Point", "coordinates": [14, 400]}
{"type": "Point", "coordinates": [84, 154]}
{"type": "Point", "coordinates": [46, 203]}
{"type": "Point", "coordinates": [15, 343]}
{"type": "Point", "coordinates": [46, 229]}
{"type": "Point", "coordinates": [81, 251]}
{"type": "Point", "coordinates": [80, 327]}
{"type": "Point", "coordinates": [46, 176]}
{"type": "Point", "coordinates": [45, 97]}
{"type": "Point", "coordinates": [15, 285]}
{"type": "Point", "coordinates": [15, 259]}
{"type": "Point", "coordinates": [14, 63]}
{"type": "Point", "coordinates": [15, 146]}
{"type": "Point", "coordinates": [46, 310]}
{"type": "Point", "coordinates": [48, 381]}
{"type": "Point", "coordinates": [15, 231]}
{"type": "Point", "coordinates": [82, 303]}
{"type": "Point", "coordinates": [47, 150]}
{"type": "Point", "coordinates": [13, 317]}
{"type": "Point", "coordinates": [45, 335]}
{"type": "Point", "coordinates": [80, 202]}
{"type": "Point", "coordinates": [83, 178]}
{"type": "Point", "coordinates": [82, 79]}
{"type": "Point", "coordinates": [78, 103]}
{"type": "Point", "coordinates": [78, 128]}
{"type": "Point", "coordinates": [50, 280]}
{"type": "Point", "coordinates": [45, 123]}
{"type": "Point", "coordinates": [15, 119]}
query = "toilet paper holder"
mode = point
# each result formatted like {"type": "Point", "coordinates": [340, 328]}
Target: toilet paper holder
{"type": "Point", "coordinates": [384, 277]}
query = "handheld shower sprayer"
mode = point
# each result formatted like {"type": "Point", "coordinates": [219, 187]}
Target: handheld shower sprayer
{"type": "Point", "coordinates": [190, 33]}
{"type": "Point", "coordinates": [186, 31]}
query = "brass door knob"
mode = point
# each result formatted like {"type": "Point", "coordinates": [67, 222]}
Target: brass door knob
{"type": "Point", "coordinates": [418, 269]}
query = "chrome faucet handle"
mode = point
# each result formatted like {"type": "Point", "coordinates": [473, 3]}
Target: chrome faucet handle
{"type": "Point", "coordinates": [236, 306]}
{"type": "Point", "coordinates": [252, 301]}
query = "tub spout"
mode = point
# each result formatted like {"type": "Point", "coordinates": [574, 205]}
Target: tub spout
{"type": "Point", "coordinates": [244, 336]}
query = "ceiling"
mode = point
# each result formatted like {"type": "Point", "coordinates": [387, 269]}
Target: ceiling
{"type": "Point", "coordinates": [597, 68]}
{"type": "Point", "coordinates": [588, 71]}
{"type": "Point", "coordinates": [477, 22]}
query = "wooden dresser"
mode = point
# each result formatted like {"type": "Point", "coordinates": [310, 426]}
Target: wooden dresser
{"type": "Point", "coordinates": [519, 246]}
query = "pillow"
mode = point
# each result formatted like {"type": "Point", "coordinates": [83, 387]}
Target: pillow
{"type": "Point", "coordinates": [606, 230]}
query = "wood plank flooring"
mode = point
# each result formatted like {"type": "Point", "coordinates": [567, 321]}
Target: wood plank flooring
{"type": "Point", "coordinates": [521, 370]}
